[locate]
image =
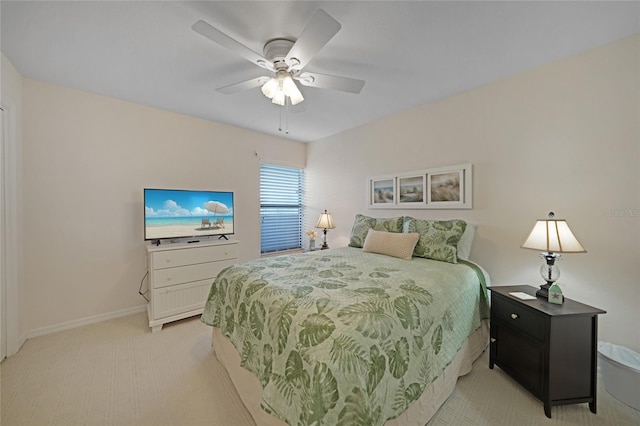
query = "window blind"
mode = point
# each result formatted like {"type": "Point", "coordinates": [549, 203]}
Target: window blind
{"type": "Point", "coordinates": [281, 208]}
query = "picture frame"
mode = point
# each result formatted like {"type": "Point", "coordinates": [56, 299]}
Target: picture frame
{"type": "Point", "coordinates": [449, 187]}
{"type": "Point", "coordinates": [411, 189]}
{"type": "Point", "coordinates": [445, 188]}
{"type": "Point", "coordinates": [382, 192]}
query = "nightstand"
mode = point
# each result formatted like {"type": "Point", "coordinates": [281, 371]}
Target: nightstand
{"type": "Point", "coordinates": [549, 349]}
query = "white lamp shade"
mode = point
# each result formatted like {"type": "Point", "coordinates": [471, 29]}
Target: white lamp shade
{"type": "Point", "coordinates": [291, 90]}
{"type": "Point", "coordinates": [553, 235]}
{"type": "Point", "coordinates": [296, 98]}
{"type": "Point", "coordinates": [325, 221]}
{"type": "Point", "coordinates": [270, 88]}
{"type": "Point", "coordinates": [278, 98]}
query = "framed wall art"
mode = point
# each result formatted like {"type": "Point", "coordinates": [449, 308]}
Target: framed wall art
{"type": "Point", "coordinates": [438, 188]}
{"type": "Point", "coordinates": [411, 190]}
{"type": "Point", "coordinates": [382, 192]}
{"type": "Point", "coordinates": [446, 187]}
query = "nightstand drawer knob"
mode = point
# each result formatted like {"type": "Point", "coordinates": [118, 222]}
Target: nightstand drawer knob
{"type": "Point", "coordinates": [515, 316]}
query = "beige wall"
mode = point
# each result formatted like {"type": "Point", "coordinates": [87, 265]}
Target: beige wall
{"type": "Point", "coordinates": [11, 101]}
{"type": "Point", "coordinates": [564, 137]}
{"type": "Point", "coordinates": [86, 160]}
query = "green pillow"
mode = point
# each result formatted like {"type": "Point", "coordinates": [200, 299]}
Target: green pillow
{"type": "Point", "coordinates": [438, 238]}
{"type": "Point", "coordinates": [362, 224]}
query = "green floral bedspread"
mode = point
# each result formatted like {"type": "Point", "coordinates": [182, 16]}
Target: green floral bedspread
{"type": "Point", "coordinates": [343, 337]}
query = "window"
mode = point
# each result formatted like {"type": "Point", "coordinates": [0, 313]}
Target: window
{"type": "Point", "coordinates": [281, 208]}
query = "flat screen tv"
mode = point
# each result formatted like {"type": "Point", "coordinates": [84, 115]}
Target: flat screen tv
{"type": "Point", "coordinates": [177, 214]}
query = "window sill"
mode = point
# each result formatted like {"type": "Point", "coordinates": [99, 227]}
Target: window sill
{"type": "Point", "coordinates": [280, 253]}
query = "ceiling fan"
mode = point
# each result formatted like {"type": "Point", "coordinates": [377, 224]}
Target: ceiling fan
{"type": "Point", "coordinates": [286, 59]}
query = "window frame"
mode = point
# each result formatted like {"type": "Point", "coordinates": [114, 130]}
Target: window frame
{"type": "Point", "coordinates": [282, 205]}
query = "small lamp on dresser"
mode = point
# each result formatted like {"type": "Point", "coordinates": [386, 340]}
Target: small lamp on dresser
{"type": "Point", "coordinates": [553, 237]}
{"type": "Point", "coordinates": [325, 222]}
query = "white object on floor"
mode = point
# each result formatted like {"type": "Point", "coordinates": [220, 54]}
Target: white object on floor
{"type": "Point", "coordinates": [621, 373]}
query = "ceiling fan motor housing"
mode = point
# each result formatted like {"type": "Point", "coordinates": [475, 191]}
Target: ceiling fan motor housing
{"type": "Point", "coordinates": [276, 51]}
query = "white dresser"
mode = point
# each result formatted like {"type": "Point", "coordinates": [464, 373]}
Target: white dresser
{"type": "Point", "coordinates": [180, 276]}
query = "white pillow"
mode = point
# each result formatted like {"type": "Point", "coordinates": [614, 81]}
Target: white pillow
{"type": "Point", "coordinates": [391, 243]}
{"type": "Point", "coordinates": [466, 240]}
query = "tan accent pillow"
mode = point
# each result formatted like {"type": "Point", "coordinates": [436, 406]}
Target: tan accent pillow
{"type": "Point", "coordinates": [391, 243]}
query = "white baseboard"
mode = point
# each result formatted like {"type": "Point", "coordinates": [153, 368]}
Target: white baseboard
{"type": "Point", "coordinates": [80, 322]}
{"type": "Point", "coordinates": [21, 341]}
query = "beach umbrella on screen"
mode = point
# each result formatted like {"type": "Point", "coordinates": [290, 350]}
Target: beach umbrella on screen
{"type": "Point", "coordinates": [216, 207]}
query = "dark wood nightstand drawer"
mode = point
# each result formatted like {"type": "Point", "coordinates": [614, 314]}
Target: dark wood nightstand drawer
{"type": "Point", "coordinates": [518, 316]}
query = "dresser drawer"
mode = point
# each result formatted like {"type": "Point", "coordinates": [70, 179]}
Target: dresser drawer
{"type": "Point", "coordinates": [185, 274]}
{"type": "Point", "coordinates": [518, 316]}
{"type": "Point", "coordinates": [192, 256]}
{"type": "Point", "coordinates": [175, 300]}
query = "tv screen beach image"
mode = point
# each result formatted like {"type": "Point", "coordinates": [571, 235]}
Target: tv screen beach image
{"type": "Point", "coordinates": [181, 214]}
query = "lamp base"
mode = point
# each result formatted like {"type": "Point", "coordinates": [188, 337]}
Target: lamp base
{"type": "Point", "coordinates": [324, 240]}
{"type": "Point", "coordinates": [543, 291]}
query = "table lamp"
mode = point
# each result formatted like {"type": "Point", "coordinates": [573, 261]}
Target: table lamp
{"type": "Point", "coordinates": [325, 222]}
{"type": "Point", "coordinates": [552, 236]}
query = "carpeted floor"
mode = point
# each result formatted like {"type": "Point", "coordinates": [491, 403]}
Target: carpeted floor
{"type": "Point", "coordinates": [119, 373]}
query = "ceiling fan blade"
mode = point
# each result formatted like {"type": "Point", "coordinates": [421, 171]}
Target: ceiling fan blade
{"type": "Point", "coordinates": [243, 85]}
{"type": "Point", "coordinates": [323, 81]}
{"type": "Point", "coordinates": [231, 44]}
{"type": "Point", "coordinates": [320, 29]}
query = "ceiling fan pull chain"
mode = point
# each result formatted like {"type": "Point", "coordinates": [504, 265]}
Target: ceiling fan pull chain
{"type": "Point", "coordinates": [286, 114]}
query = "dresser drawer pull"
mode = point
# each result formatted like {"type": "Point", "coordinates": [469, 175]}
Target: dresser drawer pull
{"type": "Point", "coordinates": [515, 316]}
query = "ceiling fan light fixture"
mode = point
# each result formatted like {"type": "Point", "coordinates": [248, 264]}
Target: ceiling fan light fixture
{"type": "Point", "coordinates": [281, 86]}
{"type": "Point", "coordinates": [270, 88]}
{"type": "Point", "coordinates": [279, 98]}
{"type": "Point", "coordinates": [291, 90]}
{"type": "Point", "coordinates": [296, 99]}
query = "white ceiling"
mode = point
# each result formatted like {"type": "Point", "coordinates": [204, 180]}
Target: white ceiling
{"type": "Point", "coordinates": [409, 52]}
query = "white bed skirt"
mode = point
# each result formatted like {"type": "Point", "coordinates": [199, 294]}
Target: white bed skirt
{"type": "Point", "coordinates": [250, 391]}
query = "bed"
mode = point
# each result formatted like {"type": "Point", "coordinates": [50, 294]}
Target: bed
{"type": "Point", "coordinates": [348, 336]}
